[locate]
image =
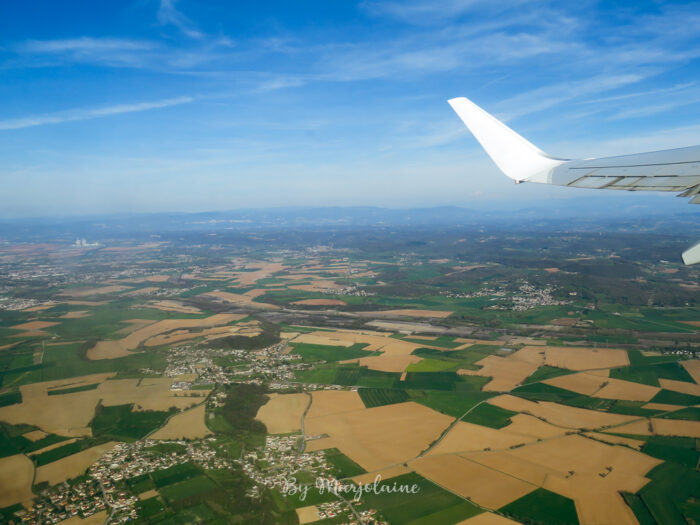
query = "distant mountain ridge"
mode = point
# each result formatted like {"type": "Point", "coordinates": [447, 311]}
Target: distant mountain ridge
{"type": "Point", "coordinates": [643, 213]}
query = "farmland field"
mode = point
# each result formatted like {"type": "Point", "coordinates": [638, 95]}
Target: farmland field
{"type": "Point", "coordinates": [431, 505]}
{"type": "Point", "coordinates": [541, 376]}
{"type": "Point", "coordinates": [374, 397]}
{"type": "Point", "coordinates": [542, 506]}
{"type": "Point", "coordinates": [121, 422]}
{"type": "Point", "coordinates": [489, 416]}
{"type": "Point", "coordinates": [312, 353]}
{"type": "Point", "coordinates": [453, 404]}
{"type": "Point", "coordinates": [344, 466]}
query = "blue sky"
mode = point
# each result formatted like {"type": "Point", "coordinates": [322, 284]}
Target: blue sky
{"type": "Point", "coordinates": [164, 105]}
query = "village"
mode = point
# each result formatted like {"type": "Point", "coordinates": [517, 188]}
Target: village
{"type": "Point", "coordinates": [273, 365]}
{"type": "Point", "coordinates": [103, 487]}
{"type": "Point", "coordinates": [526, 297]}
{"type": "Point", "coordinates": [283, 465]}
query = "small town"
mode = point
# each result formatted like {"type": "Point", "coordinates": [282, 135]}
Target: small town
{"type": "Point", "coordinates": [102, 488]}
{"type": "Point", "coordinates": [526, 297]}
{"type": "Point", "coordinates": [272, 364]}
{"type": "Point", "coordinates": [282, 465]}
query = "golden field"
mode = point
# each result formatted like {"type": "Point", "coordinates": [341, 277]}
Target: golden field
{"type": "Point", "coordinates": [282, 413]}
{"type": "Point", "coordinates": [121, 347]}
{"type": "Point", "coordinates": [16, 476]}
{"type": "Point", "coordinates": [376, 438]}
{"type": "Point", "coordinates": [70, 414]}
{"type": "Point", "coordinates": [185, 425]}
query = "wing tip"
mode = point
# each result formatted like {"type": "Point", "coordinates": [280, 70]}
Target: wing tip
{"type": "Point", "coordinates": [514, 155]}
{"type": "Point", "coordinates": [692, 255]}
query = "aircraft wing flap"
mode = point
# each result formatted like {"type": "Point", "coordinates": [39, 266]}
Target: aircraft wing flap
{"type": "Point", "coordinates": [594, 182]}
{"type": "Point", "coordinates": [676, 157]}
{"type": "Point", "coordinates": [668, 170]}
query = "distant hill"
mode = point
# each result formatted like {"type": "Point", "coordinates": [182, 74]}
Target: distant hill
{"type": "Point", "coordinates": [652, 213]}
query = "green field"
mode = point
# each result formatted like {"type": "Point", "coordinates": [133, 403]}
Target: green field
{"type": "Point", "coordinates": [105, 320]}
{"type": "Point", "coordinates": [433, 365]}
{"type": "Point", "coordinates": [311, 353]}
{"type": "Point", "coordinates": [689, 414]}
{"type": "Point", "coordinates": [317, 375]}
{"type": "Point", "coordinates": [12, 442]}
{"type": "Point", "coordinates": [68, 360]}
{"type": "Point", "coordinates": [675, 398]}
{"type": "Point", "coordinates": [374, 397]}
{"type": "Point", "coordinates": [680, 450]}
{"type": "Point", "coordinates": [67, 450]}
{"type": "Point", "coordinates": [140, 484]}
{"type": "Point", "coordinates": [640, 510]}
{"type": "Point", "coordinates": [454, 514]}
{"type": "Point", "coordinates": [429, 505]}
{"type": "Point", "coordinates": [151, 508]}
{"type": "Point", "coordinates": [122, 423]}
{"type": "Point", "coordinates": [344, 466]}
{"type": "Point", "coordinates": [175, 474]}
{"type": "Point", "coordinates": [429, 381]}
{"type": "Point", "coordinates": [546, 372]}
{"type": "Point", "coordinates": [650, 374]}
{"type": "Point", "coordinates": [348, 375]}
{"type": "Point", "coordinates": [489, 416]}
{"type": "Point", "coordinates": [442, 341]}
{"type": "Point", "coordinates": [189, 488]}
{"type": "Point", "coordinates": [672, 494]}
{"type": "Point", "coordinates": [637, 358]}
{"type": "Point", "coordinates": [313, 496]}
{"type": "Point", "coordinates": [543, 392]}
{"type": "Point", "coordinates": [630, 408]}
{"type": "Point", "coordinates": [10, 398]}
{"type": "Point", "coordinates": [453, 360]}
{"type": "Point", "coordinates": [453, 404]}
{"type": "Point", "coordinates": [542, 506]}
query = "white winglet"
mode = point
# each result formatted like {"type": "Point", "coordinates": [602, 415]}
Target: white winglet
{"type": "Point", "coordinates": [692, 255]}
{"type": "Point", "coordinates": [516, 157]}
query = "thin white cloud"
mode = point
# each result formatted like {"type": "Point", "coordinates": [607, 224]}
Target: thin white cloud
{"type": "Point", "coordinates": [657, 139]}
{"type": "Point", "coordinates": [168, 14]}
{"type": "Point", "coordinates": [114, 52]}
{"type": "Point", "coordinates": [421, 12]}
{"type": "Point", "coordinates": [654, 109]}
{"type": "Point", "coordinates": [83, 45]}
{"type": "Point", "coordinates": [433, 53]}
{"type": "Point", "coordinates": [87, 114]}
{"type": "Point", "coordinates": [552, 95]}
{"type": "Point", "coordinates": [636, 94]}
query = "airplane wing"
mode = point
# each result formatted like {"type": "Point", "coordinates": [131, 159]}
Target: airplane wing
{"type": "Point", "coordinates": [676, 170]}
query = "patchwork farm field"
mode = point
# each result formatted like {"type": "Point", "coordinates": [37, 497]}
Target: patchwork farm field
{"type": "Point", "coordinates": [220, 368]}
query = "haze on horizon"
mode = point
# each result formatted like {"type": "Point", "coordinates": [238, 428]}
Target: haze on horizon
{"type": "Point", "coordinates": [171, 105]}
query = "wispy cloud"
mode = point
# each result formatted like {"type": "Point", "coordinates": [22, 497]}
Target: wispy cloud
{"type": "Point", "coordinates": [552, 95]}
{"type": "Point", "coordinates": [157, 53]}
{"type": "Point", "coordinates": [87, 114]}
{"type": "Point", "coordinates": [654, 109]}
{"type": "Point", "coordinates": [105, 50]}
{"type": "Point", "coordinates": [422, 54]}
{"type": "Point", "coordinates": [421, 12]}
{"type": "Point", "coordinates": [154, 55]}
{"type": "Point", "coordinates": [83, 45]}
{"type": "Point", "coordinates": [638, 94]}
{"type": "Point", "coordinates": [168, 14]}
